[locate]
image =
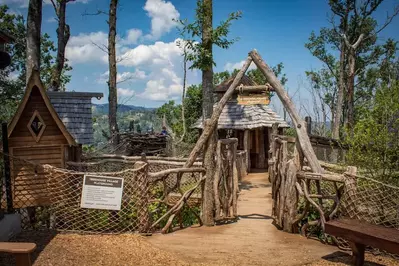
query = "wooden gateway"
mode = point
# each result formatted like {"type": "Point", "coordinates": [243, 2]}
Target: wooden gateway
{"type": "Point", "coordinates": [37, 135]}
{"type": "Point", "coordinates": [250, 123]}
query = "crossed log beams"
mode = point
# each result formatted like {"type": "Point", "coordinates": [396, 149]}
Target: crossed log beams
{"type": "Point", "coordinates": [210, 124]}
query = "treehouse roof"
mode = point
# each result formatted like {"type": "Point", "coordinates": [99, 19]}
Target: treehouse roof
{"type": "Point", "coordinates": [35, 85]}
{"type": "Point", "coordinates": [235, 116]}
{"type": "Point", "coordinates": [75, 111]}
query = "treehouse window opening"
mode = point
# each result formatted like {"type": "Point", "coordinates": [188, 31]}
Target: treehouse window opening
{"type": "Point", "coordinates": [36, 126]}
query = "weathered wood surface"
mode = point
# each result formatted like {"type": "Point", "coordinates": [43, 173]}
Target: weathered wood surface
{"type": "Point", "coordinates": [247, 148]}
{"type": "Point", "coordinates": [225, 184]}
{"type": "Point", "coordinates": [209, 128]}
{"type": "Point", "coordinates": [366, 234]}
{"type": "Point", "coordinates": [21, 252]}
{"type": "Point", "coordinates": [290, 107]}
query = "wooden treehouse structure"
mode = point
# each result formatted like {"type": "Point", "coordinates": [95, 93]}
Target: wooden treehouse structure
{"type": "Point", "coordinates": [48, 128]}
{"type": "Point", "coordinates": [248, 117]}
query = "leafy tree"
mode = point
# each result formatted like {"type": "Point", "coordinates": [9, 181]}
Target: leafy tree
{"type": "Point", "coordinates": [202, 37]}
{"type": "Point", "coordinates": [375, 143]}
{"type": "Point", "coordinates": [354, 34]}
{"type": "Point", "coordinates": [13, 78]}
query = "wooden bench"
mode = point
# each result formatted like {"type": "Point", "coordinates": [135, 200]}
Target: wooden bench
{"type": "Point", "coordinates": [362, 234]}
{"type": "Point", "coordinates": [21, 251]}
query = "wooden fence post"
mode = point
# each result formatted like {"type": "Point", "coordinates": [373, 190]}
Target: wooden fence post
{"type": "Point", "coordinates": [143, 197]}
{"type": "Point", "coordinates": [290, 107]}
{"type": "Point", "coordinates": [351, 190]}
{"type": "Point", "coordinates": [247, 149]}
{"type": "Point", "coordinates": [235, 179]}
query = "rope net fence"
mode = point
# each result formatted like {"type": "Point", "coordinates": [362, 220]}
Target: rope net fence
{"type": "Point", "coordinates": [49, 197]}
{"type": "Point", "coordinates": [356, 197]}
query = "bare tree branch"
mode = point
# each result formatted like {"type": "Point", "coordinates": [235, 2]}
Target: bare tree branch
{"type": "Point", "coordinates": [99, 12]}
{"type": "Point", "coordinates": [102, 47]}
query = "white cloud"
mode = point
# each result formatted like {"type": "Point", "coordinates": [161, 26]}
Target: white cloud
{"type": "Point", "coordinates": [85, 48]}
{"type": "Point", "coordinates": [162, 14]}
{"type": "Point", "coordinates": [125, 92]}
{"type": "Point", "coordinates": [158, 65]}
{"type": "Point", "coordinates": [124, 76]}
{"type": "Point", "coordinates": [159, 53]}
{"type": "Point", "coordinates": [231, 66]}
{"type": "Point", "coordinates": [132, 37]}
{"type": "Point", "coordinates": [161, 90]}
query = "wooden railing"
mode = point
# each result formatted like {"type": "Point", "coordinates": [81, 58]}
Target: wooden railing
{"type": "Point", "coordinates": [225, 184]}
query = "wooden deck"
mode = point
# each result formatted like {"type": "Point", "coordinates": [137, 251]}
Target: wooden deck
{"type": "Point", "coordinates": [253, 240]}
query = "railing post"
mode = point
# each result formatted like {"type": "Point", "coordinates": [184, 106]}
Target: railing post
{"type": "Point", "coordinates": [308, 121]}
{"type": "Point", "coordinates": [351, 190]}
{"type": "Point", "coordinates": [143, 197]}
{"type": "Point", "coordinates": [7, 172]}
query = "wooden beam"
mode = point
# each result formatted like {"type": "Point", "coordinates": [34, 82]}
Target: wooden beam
{"type": "Point", "coordinates": [290, 107]}
{"type": "Point", "coordinates": [212, 125]}
{"type": "Point", "coordinates": [256, 88]}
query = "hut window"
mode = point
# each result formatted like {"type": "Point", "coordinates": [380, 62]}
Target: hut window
{"type": "Point", "coordinates": [36, 126]}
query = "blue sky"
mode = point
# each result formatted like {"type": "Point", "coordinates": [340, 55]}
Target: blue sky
{"type": "Point", "coordinates": [151, 61]}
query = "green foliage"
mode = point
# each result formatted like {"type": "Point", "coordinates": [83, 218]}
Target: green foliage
{"type": "Point", "coordinates": [198, 53]}
{"type": "Point", "coordinates": [257, 76]}
{"type": "Point", "coordinates": [193, 107]}
{"type": "Point", "coordinates": [11, 89]}
{"type": "Point", "coordinates": [375, 143]}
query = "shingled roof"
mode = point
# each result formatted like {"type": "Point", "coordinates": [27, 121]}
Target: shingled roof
{"type": "Point", "coordinates": [235, 116]}
{"type": "Point", "coordinates": [74, 110]}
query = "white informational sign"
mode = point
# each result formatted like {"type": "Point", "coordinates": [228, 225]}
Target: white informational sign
{"type": "Point", "coordinates": [102, 192]}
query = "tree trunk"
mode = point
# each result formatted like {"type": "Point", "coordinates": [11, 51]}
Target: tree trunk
{"type": "Point", "coordinates": [33, 34]}
{"type": "Point", "coordinates": [207, 110]}
{"type": "Point", "coordinates": [63, 34]}
{"type": "Point", "coordinates": [341, 91]}
{"type": "Point", "coordinates": [183, 117]}
{"type": "Point", "coordinates": [113, 96]}
{"type": "Point", "coordinates": [290, 107]}
{"type": "Point", "coordinates": [351, 91]}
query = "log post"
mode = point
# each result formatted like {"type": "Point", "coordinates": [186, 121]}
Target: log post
{"type": "Point", "coordinates": [261, 155]}
{"type": "Point", "coordinates": [291, 198]}
{"type": "Point", "coordinates": [351, 191]}
{"type": "Point", "coordinates": [235, 179]}
{"type": "Point", "coordinates": [308, 121]}
{"type": "Point", "coordinates": [290, 107]}
{"type": "Point", "coordinates": [143, 197]}
{"type": "Point", "coordinates": [216, 180]}
{"type": "Point", "coordinates": [208, 129]}
{"type": "Point", "coordinates": [247, 142]}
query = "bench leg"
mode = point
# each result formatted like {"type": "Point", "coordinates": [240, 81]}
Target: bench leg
{"type": "Point", "coordinates": [22, 259]}
{"type": "Point", "coordinates": [357, 253]}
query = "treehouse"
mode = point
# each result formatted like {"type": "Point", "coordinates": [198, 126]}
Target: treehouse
{"type": "Point", "coordinates": [48, 128]}
{"type": "Point", "coordinates": [249, 122]}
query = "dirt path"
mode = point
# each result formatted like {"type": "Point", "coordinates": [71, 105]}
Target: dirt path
{"type": "Point", "coordinates": [253, 240]}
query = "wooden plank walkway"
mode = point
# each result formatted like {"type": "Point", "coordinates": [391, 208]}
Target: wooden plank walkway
{"type": "Point", "coordinates": [253, 240]}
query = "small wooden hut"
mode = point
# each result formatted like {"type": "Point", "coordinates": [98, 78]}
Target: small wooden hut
{"type": "Point", "coordinates": [250, 123]}
{"type": "Point", "coordinates": [45, 130]}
